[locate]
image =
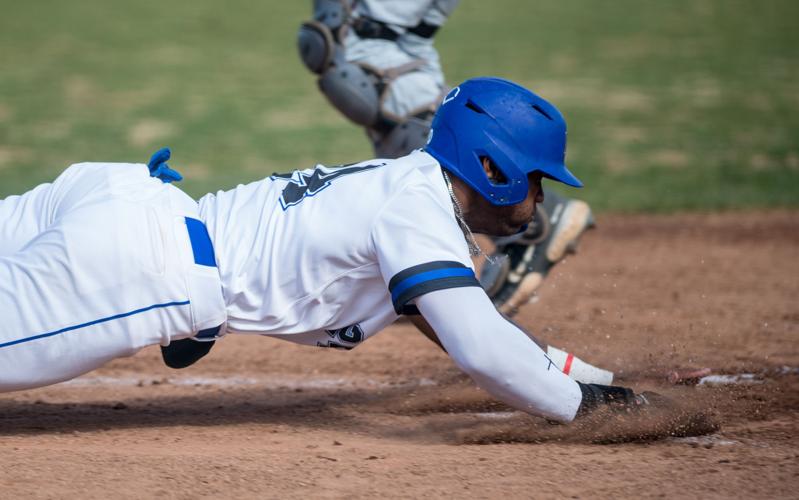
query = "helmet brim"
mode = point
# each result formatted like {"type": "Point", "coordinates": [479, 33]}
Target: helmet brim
{"type": "Point", "coordinates": [562, 175]}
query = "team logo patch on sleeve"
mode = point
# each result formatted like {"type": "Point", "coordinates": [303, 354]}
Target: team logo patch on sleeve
{"type": "Point", "coordinates": [425, 278]}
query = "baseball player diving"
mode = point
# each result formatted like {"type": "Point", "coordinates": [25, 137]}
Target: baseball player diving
{"type": "Point", "coordinates": [377, 65]}
{"type": "Point", "coordinates": [111, 257]}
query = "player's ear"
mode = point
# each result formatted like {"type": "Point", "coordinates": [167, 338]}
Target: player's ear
{"type": "Point", "coordinates": [494, 174]}
{"type": "Point", "coordinates": [487, 167]}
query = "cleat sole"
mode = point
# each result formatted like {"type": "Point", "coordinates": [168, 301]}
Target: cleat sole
{"type": "Point", "coordinates": [576, 218]}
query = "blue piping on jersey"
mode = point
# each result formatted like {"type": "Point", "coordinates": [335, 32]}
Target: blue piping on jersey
{"type": "Point", "coordinates": [90, 323]}
{"type": "Point", "coordinates": [428, 276]}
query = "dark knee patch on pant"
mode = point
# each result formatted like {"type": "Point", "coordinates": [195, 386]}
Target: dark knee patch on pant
{"type": "Point", "coordinates": [185, 352]}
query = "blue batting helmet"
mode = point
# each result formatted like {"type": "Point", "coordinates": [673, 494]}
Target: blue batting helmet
{"type": "Point", "coordinates": [518, 131]}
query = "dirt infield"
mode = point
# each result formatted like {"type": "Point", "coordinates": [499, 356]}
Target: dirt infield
{"type": "Point", "coordinates": [261, 418]}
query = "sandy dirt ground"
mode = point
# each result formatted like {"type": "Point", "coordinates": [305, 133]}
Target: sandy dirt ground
{"type": "Point", "coordinates": [261, 418]}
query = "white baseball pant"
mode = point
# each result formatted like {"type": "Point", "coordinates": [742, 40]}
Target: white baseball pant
{"type": "Point", "coordinates": [97, 265]}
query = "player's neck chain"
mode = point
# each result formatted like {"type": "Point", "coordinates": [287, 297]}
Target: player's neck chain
{"type": "Point", "coordinates": [471, 241]}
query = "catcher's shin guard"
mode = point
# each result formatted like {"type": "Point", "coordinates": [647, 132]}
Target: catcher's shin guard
{"type": "Point", "coordinates": [521, 262]}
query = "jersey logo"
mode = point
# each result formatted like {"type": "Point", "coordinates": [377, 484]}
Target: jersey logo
{"type": "Point", "coordinates": [301, 185]}
{"type": "Point", "coordinates": [344, 338]}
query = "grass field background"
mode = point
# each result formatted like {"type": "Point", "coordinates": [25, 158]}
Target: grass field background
{"type": "Point", "coordinates": [672, 105]}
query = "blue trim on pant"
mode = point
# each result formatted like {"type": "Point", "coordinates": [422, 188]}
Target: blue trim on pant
{"type": "Point", "coordinates": [90, 323]}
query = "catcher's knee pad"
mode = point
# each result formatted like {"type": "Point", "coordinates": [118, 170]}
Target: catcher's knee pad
{"type": "Point", "coordinates": [352, 91]}
{"type": "Point", "coordinates": [358, 91]}
{"type": "Point", "coordinates": [317, 39]}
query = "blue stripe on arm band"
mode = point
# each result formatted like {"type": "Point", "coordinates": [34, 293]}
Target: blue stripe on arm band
{"type": "Point", "coordinates": [425, 278]}
{"type": "Point", "coordinates": [420, 278]}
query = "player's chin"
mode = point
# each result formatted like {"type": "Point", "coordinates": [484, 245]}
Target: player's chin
{"type": "Point", "coordinates": [509, 229]}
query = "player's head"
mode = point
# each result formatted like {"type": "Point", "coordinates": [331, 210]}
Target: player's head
{"type": "Point", "coordinates": [497, 120]}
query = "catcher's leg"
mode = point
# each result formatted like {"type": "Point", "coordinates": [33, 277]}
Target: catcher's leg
{"type": "Point", "coordinates": [408, 86]}
{"type": "Point", "coordinates": [406, 113]}
{"type": "Point", "coordinates": [521, 262]}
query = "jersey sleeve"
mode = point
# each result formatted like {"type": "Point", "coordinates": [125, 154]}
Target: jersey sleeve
{"type": "Point", "coordinates": [419, 246]}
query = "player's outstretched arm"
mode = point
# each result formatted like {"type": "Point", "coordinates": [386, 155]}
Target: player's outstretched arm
{"type": "Point", "coordinates": [423, 326]}
{"type": "Point", "coordinates": [510, 366]}
{"type": "Point", "coordinates": [497, 355]}
{"type": "Point", "coordinates": [568, 363]}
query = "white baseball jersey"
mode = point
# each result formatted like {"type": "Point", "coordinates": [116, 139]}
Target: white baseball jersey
{"type": "Point", "coordinates": [330, 256]}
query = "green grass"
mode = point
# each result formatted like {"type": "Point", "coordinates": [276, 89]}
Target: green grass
{"type": "Point", "coordinates": [672, 105]}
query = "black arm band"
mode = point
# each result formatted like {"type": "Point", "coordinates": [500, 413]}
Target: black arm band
{"type": "Point", "coordinates": [425, 278]}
